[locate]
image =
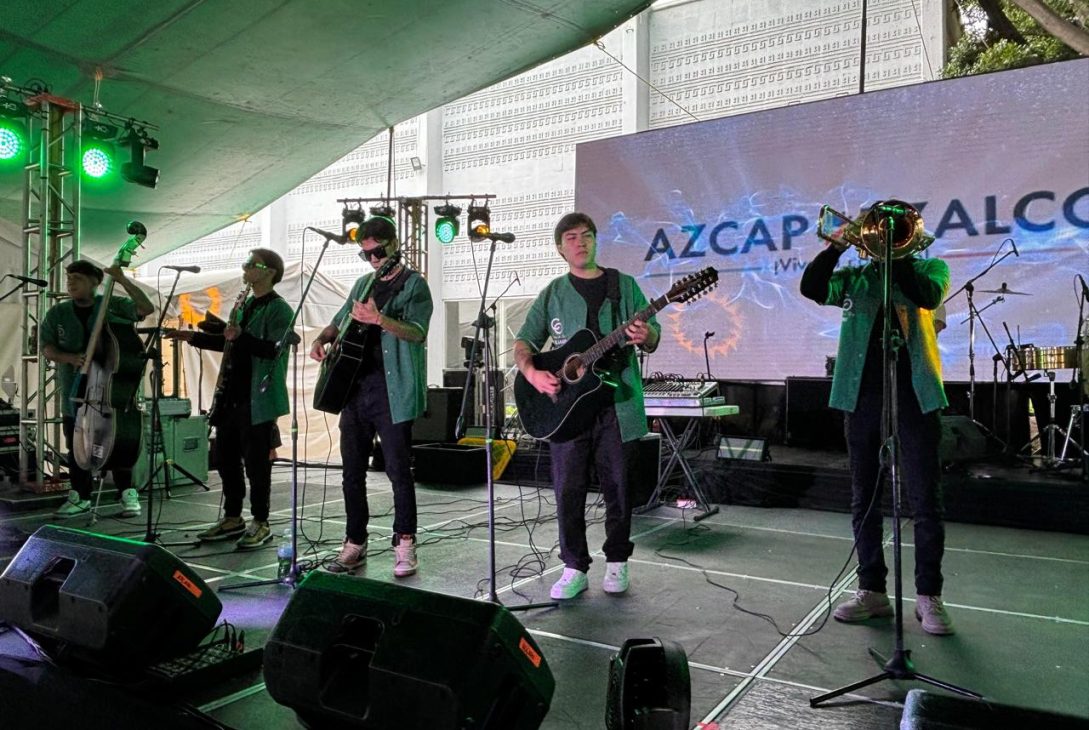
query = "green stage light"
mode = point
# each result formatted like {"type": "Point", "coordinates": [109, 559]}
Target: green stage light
{"type": "Point", "coordinates": [98, 156]}
{"type": "Point", "coordinates": [446, 225]}
{"type": "Point", "coordinates": [97, 160]}
{"type": "Point", "coordinates": [11, 141]}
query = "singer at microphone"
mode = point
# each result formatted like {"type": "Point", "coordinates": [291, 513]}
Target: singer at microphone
{"type": "Point", "coordinates": [251, 393]}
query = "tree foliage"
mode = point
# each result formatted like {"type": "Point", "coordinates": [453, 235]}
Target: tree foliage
{"type": "Point", "coordinates": [998, 35]}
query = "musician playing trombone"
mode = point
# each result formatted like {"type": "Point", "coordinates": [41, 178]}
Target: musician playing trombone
{"type": "Point", "coordinates": [64, 335]}
{"type": "Point", "coordinates": [918, 288]}
{"type": "Point", "coordinates": [600, 300]}
{"type": "Point", "coordinates": [252, 397]}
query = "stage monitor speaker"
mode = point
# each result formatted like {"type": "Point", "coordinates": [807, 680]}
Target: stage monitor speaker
{"type": "Point", "coordinates": [460, 464]}
{"type": "Point", "coordinates": [106, 600]}
{"type": "Point", "coordinates": [743, 448]}
{"type": "Point", "coordinates": [438, 422]}
{"type": "Point", "coordinates": [931, 711]}
{"type": "Point", "coordinates": [649, 687]}
{"type": "Point", "coordinates": [962, 440]}
{"type": "Point", "coordinates": [354, 652]}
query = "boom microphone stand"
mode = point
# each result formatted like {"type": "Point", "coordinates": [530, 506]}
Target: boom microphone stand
{"type": "Point", "coordinates": [289, 338]}
{"type": "Point", "coordinates": [483, 323]}
{"type": "Point", "coordinates": [899, 666]}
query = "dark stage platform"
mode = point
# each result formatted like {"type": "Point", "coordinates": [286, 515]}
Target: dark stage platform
{"type": "Point", "coordinates": [1017, 597]}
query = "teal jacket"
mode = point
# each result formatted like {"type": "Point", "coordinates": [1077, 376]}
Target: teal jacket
{"type": "Point", "coordinates": [559, 311]}
{"type": "Point", "coordinates": [405, 362]}
{"type": "Point", "coordinates": [857, 290]}
{"type": "Point", "coordinates": [63, 329]}
{"type": "Point", "coordinates": [262, 331]}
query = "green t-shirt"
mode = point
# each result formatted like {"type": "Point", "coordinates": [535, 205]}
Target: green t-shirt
{"type": "Point", "coordinates": [63, 329]}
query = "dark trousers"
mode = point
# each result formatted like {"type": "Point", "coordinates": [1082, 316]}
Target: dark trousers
{"type": "Point", "coordinates": [366, 414]}
{"type": "Point", "coordinates": [920, 478]}
{"type": "Point", "coordinates": [81, 478]}
{"type": "Point", "coordinates": [240, 443]}
{"type": "Point", "coordinates": [571, 478]}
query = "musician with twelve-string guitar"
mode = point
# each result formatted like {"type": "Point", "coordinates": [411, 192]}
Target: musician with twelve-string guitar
{"type": "Point", "coordinates": [388, 392]}
{"type": "Point", "coordinates": [600, 300]}
{"type": "Point", "coordinates": [244, 412]}
{"type": "Point", "coordinates": [64, 336]}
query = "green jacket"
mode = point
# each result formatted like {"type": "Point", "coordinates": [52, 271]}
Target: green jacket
{"type": "Point", "coordinates": [262, 331]}
{"type": "Point", "coordinates": [405, 362]}
{"type": "Point", "coordinates": [858, 291]}
{"type": "Point", "coordinates": [63, 329]}
{"type": "Point", "coordinates": [559, 311]}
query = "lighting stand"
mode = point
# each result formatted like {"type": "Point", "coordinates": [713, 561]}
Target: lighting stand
{"type": "Point", "coordinates": [291, 579]}
{"type": "Point", "coordinates": [899, 666]}
{"type": "Point", "coordinates": [483, 326]}
{"type": "Point", "coordinates": [153, 352]}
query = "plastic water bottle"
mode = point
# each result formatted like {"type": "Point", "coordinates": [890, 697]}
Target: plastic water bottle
{"type": "Point", "coordinates": [284, 554]}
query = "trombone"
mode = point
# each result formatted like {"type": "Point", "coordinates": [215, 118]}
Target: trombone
{"type": "Point", "coordinates": [869, 232]}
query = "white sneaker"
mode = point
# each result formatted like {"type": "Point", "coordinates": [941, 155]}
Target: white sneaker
{"type": "Point", "coordinates": [616, 578]}
{"type": "Point", "coordinates": [130, 503]}
{"type": "Point", "coordinates": [405, 561]}
{"type": "Point", "coordinates": [72, 506]}
{"type": "Point", "coordinates": [570, 584]}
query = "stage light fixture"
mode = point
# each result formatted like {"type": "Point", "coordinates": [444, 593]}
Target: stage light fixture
{"type": "Point", "coordinates": [479, 220]}
{"type": "Point", "coordinates": [446, 225]}
{"type": "Point", "coordinates": [383, 211]}
{"type": "Point", "coordinates": [97, 155]}
{"type": "Point", "coordinates": [135, 171]}
{"type": "Point", "coordinates": [352, 219]}
{"type": "Point", "coordinates": [12, 130]}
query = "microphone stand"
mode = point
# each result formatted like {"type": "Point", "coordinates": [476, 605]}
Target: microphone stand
{"type": "Point", "coordinates": [899, 666]}
{"type": "Point", "coordinates": [706, 356]}
{"type": "Point", "coordinates": [1077, 415]}
{"type": "Point", "coordinates": [483, 323]}
{"type": "Point", "coordinates": [153, 352]}
{"type": "Point", "coordinates": [288, 338]}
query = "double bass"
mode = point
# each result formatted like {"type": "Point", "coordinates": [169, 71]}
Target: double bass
{"type": "Point", "coordinates": [108, 424]}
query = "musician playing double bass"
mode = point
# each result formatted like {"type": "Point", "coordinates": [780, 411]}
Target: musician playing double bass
{"type": "Point", "coordinates": [64, 336]}
{"type": "Point", "coordinates": [599, 300]}
{"type": "Point", "coordinates": [252, 398]}
{"type": "Point", "coordinates": [389, 393]}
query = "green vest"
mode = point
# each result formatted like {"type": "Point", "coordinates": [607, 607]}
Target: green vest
{"type": "Point", "coordinates": [858, 291]}
{"type": "Point", "coordinates": [63, 329]}
{"type": "Point", "coordinates": [559, 311]}
{"type": "Point", "coordinates": [405, 362]}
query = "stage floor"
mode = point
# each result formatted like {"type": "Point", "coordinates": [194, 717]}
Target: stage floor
{"type": "Point", "coordinates": [1017, 597]}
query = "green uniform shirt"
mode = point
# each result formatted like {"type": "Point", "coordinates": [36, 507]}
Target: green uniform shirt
{"type": "Point", "coordinates": [405, 362]}
{"type": "Point", "coordinates": [63, 329]}
{"type": "Point", "coordinates": [858, 291]}
{"type": "Point", "coordinates": [559, 311]}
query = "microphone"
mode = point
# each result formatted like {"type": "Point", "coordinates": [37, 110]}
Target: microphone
{"type": "Point", "coordinates": [335, 237]}
{"type": "Point", "coordinates": [482, 231]}
{"type": "Point", "coordinates": [708, 335]}
{"type": "Point", "coordinates": [42, 282]}
{"type": "Point", "coordinates": [190, 269]}
{"type": "Point", "coordinates": [1014, 244]}
{"type": "Point", "coordinates": [1084, 287]}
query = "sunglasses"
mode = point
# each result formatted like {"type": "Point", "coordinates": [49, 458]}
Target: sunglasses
{"type": "Point", "coordinates": [376, 254]}
{"type": "Point", "coordinates": [254, 265]}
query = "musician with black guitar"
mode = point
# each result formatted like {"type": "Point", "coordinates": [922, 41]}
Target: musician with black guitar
{"type": "Point", "coordinates": [597, 299]}
{"type": "Point", "coordinates": [64, 335]}
{"type": "Point", "coordinates": [379, 336]}
{"type": "Point", "coordinates": [243, 412]}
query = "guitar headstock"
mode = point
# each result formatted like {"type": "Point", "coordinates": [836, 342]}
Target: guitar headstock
{"type": "Point", "coordinates": [693, 286]}
{"type": "Point", "coordinates": [137, 234]}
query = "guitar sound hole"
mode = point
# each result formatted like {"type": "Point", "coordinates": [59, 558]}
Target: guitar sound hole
{"type": "Point", "coordinates": [573, 369]}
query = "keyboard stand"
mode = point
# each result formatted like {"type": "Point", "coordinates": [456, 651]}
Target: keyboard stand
{"type": "Point", "coordinates": [673, 447]}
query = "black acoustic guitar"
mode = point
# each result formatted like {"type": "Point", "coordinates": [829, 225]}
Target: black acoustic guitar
{"type": "Point", "coordinates": [341, 363]}
{"type": "Point", "coordinates": [577, 366]}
